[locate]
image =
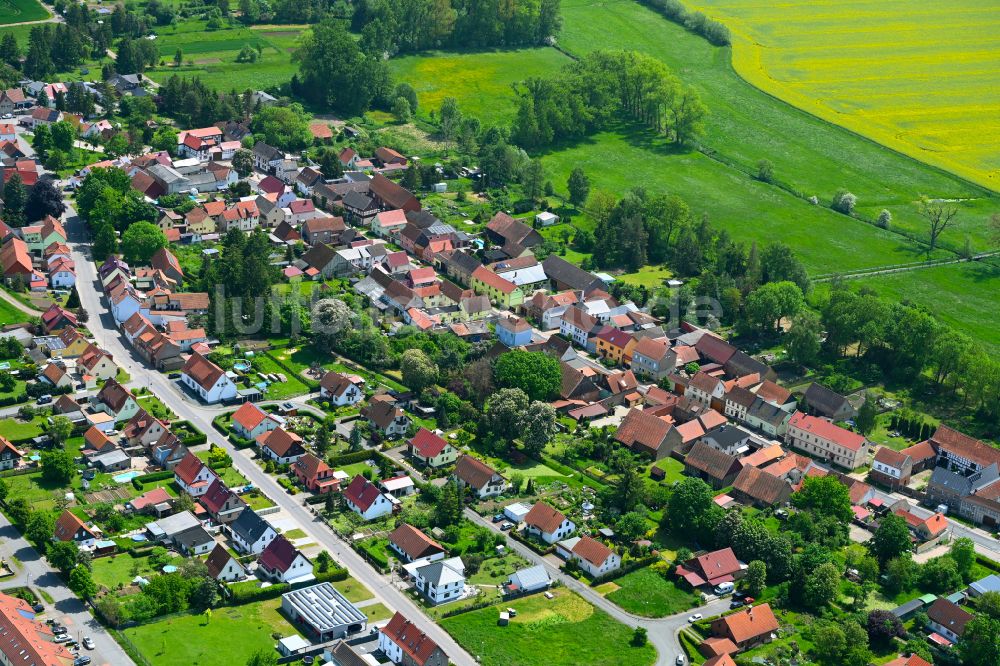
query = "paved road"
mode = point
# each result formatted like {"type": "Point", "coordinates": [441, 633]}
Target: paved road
{"type": "Point", "coordinates": [31, 312]}
{"type": "Point", "coordinates": [102, 326]}
{"type": "Point", "coordinates": [662, 632]}
{"type": "Point", "coordinates": [66, 607]}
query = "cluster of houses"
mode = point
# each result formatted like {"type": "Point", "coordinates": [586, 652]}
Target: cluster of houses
{"type": "Point", "coordinates": [37, 256]}
{"type": "Point", "coordinates": [150, 310]}
{"type": "Point", "coordinates": [72, 361]}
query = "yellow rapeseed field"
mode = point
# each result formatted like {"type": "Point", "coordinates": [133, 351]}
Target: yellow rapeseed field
{"type": "Point", "coordinates": [920, 77]}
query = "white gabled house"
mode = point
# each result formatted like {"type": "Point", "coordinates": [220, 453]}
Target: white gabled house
{"type": "Point", "coordinates": [547, 523]}
{"type": "Point", "coordinates": [251, 533]}
{"type": "Point", "coordinates": [193, 476]}
{"type": "Point", "coordinates": [207, 380]}
{"type": "Point", "coordinates": [365, 499]}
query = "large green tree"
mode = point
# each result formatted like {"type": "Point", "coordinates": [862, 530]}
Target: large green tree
{"type": "Point", "coordinates": [824, 496]}
{"type": "Point", "coordinates": [537, 374]}
{"type": "Point", "coordinates": [891, 539]}
{"type": "Point", "coordinates": [141, 241]}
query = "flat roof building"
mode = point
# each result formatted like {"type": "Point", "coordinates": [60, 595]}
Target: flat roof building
{"type": "Point", "coordinates": [323, 612]}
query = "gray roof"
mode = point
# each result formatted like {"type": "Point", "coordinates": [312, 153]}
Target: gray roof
{"type": "Point", "coordinates": [907, 608]}
{"type": "Point", "coordinates": [725, 437]}
{"type": "Point", "coordinates": [532, 576]}
{"type": "Point", "coordinates": [989, 584]}
{"type": "Point", "coordinates": [324, 608]}
{"type": "Point", "coordinates": [443, 572]}
{"type": "Point", "coordinates": [266, 152]}
{"type": "Point", "coordinates": [823, 400]}
{"type": "Point", "coordinates": [767, 412]}
{"type": "Point", "coordinates": [962, 485]}
{"type": "Point", "coordinates": [177, 523]}
{"type": "Point", "coordinates": [358, 200]}
{"type": "Point", "coordinates": [193, 537]}
{"type": "Point", "coordinates": [164, 173]}
{"type": "Point", "coordinates": [111, 458]}
{"type": "Point", "coordinates": [249, 526]}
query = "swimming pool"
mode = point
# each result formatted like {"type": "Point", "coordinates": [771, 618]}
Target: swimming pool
{"type": "Point", "coordinates": [242, 366]}
{"type": "Point", "coordinates": [126, 477]}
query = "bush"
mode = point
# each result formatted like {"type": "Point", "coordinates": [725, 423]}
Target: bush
{"type": "Point", "coordinates": [844, 202]}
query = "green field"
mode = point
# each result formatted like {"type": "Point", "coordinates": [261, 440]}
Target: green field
{"type": "Point", "coordinates": [231, 636]}
{"type": "Point", "coordinates": [11, 315]}
{"type": "Point", "coordinates": [19, 11]}
{"type": "Point", "coordinates": [476, 79]}
{"type": "Point", "coordinates": [963, 295]}
{"type": "Point", "coordinates": [213, 54]}
{"type": "Point", "coordinates": [644, 592]}
{"type": "Point", "coordinates": [922, 78]}
{"type": "Point", "coordinates": [556, 632]}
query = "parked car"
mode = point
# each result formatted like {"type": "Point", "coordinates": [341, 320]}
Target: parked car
{"type": "Point", "coordinates": [695, 617]}
{"type": "Point", "coordinates": [174, 375]}
{"type": "Point", "coordinates": [61, 638]}
{"type": "Point", "coordinates": [736, 603]}
{"type": "Point", "coordinates": [679, 660]}
{"type": "Point", "coordinates": [88, 642]}
{"type": "Point", "coordinates": [497, 518]}
{"type": "Point", "coordinates": [506, 526]}
{"type": "Point", "coordinates": [44, 399]}
{"type": "Point", "coordinates": [82, 660]}
{"type": "Point", "coordinates": [38, 608]}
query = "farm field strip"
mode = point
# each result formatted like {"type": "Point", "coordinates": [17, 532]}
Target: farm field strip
{"type": "Point", "coordinates": [844, 61]}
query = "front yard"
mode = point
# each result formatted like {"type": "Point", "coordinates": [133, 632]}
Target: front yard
{"type": "Point", "coordinates": [564, 631]}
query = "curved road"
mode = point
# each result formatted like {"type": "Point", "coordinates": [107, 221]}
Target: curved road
{"type": "Point", "coordinates": [31, 312]}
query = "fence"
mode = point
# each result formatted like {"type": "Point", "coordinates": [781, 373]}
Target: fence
{"type": "Point", "coordinates": [268, 511]}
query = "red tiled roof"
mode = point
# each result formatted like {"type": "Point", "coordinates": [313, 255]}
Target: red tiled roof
{"type": "Point", "coordinates": [414, 542]}
{"type": "Point", "coordinates": [592, 550]}
{"type": "Point", "coordinates": [278, 555]}
{"type": "Point", "coordinates": [150, 498]}
{"type": "Point", "coordinates": [544, 517]}
{"type": "Point", "coordinates": [187, 470]}
{"type": "Point", "coordinates": [826, 430]}
{"type": "Point", "coordinates": [474, 472]}
{"type": "Point", "coordinates": [642, 428]}
{"type": "Point", "coordinates": [427, 444]}
{"type": "Point", "coordinates": [202, 371]}
{"type": "Point", "coordinates": [249, 416]}
{"type": "Point", "coordinates": [410, 639]}
{"type": "Point", "coordinates": [361, 492]}
{"type": "Point", "coordinates": [281, 442]}
{"type": "Point", "coordinates": [750, 623]}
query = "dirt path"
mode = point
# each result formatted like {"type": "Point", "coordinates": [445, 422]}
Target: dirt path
{"type": "Point", "coordinates": [19, 305]}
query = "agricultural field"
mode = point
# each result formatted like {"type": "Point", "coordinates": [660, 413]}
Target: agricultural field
{"type": "Point", "coordinates": [921, 78]}
{"type": "Point", "coordinates": [20, 11]}
{"type": "Point", "coordinates": [553, 632]}
{"type": "Point", "coordinates": [478, 79]}
{"type": "Point", "coordinates": [211, 54]}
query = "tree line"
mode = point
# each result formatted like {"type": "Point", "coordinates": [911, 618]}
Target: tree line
{"type": "Point", "coordinates": [594, 92]}
{"type": "Point", "coordinates": [697, 22]}
{"type": "Point", "coordinates": [402, 26]}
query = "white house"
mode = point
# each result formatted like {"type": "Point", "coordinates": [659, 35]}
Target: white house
{"type": "Point", "coordinates": [250, 421]}
{"type": "Point", "coordinates": [404, 643]}
{"type": "Point", "coordinates": [548, 523]}
{"type": "Point", "coordinates": [284, 563]}
{"type": "Point", "coordinates": [480, 477]}
{"type": "Point", "coordinates": [281, 446]}
{"type": "Point", "coordinates": [251, 533]}
{"type": "Point", "coordinates": [339, 389]}
{"type": "Point", "coordinates": [365, 499]}
{"type": "Point", "coordinates": [193, 476]}
{"type": "Point", "coordinates": [207, 380]}
{"type": "Point", "coordinates": [590, 554]}
{"type": "Point", "coordinates": [223, 566]}
{"type": "Point", "coordinates": [440, 581]}
{"type": "Point", "coordinates": [431, 449]}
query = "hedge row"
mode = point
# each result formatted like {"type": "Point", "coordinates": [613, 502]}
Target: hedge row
{"type": "Point", "coordinates": [246, 594]}
{"type": "Point", "coordinates": [241, 443]}
{"type": "Point", "coordinates": [514, 534]}
{"type": "Point", "coordinates": [13, 399]}
{"type": "Point", "coordinates": [625, 568]}
{"type": "Point", "coordinates": [358, 456]}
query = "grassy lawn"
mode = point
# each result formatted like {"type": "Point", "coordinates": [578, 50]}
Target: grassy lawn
{"type": "Point", "coordinates": [376, 613]}
{"type": "Point", "coordinates": [301, 358]}
{"type": "Point", "coordinates": [16, 429]}
{"type": "Point", "coordinates": [556, 632]}
{"type": "Point", "coordinates": [536, 470]}
{"type": "Point", "coordinates": [292, 386]}
{"type": "Point", "coordinates": [11, 315]}
{"type": "Point", "coordinates": [257, 500]}
{"type": "Point", "coordinates": [495, 570]}
{"type": "Point", "coordinates": [854, 63]}
{"type": "Point", "coordinates": [115, 570]}
{"type": "Point", "coordinates": [356, 468]}
{"type": "Point", "coordinates": [644, 592]}
{"type": "Point", "coordinates": [229, 637]}
{"type": "Point", "coordinates": [295, 534]}
{"type": "Point", "coordinates": [650, 276]}
{"type": "Point", "coordinates": [477, 79]}
{"type": "Point", "coordinates": [18, 11]}
{"type": "Point", "coordinates": [352, 590]}
{"type": "Point", "coordinates": [155, 407]}
{"type": "Point", "coordinates": [211, 54]}
{"type": "Point", "coordinates": [674, 469]}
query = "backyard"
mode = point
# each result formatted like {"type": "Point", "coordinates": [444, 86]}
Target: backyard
{"type": "Point", "coordinates": [549, 632]}
{"type": "Point", "coordinates": [645, 592]}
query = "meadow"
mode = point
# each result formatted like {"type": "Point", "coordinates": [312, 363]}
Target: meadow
{"type": "Point", "coordinates": [19, 11]}
{"type": "Point", "coordinates": [211, 54]}
{"type": "Point", "coordinates": [478, 79]}
{"type": "Point", "coordinates": [922, 78]}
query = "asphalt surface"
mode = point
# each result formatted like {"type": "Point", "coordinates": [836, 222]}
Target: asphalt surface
{"type": "Point", "coordinates": [67, 608]}
{"type": "Point", "coordinates": [101, 324]}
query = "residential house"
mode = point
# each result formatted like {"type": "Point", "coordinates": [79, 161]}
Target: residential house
{"type": "Point", "coordinates": [924, 529]}
{"type": "Point", "coordinates": [827, 441]}
{"type": "Point", "coordinates": [406, 645]}
{"type": "Point", "coordinates": [479, 477]}
{"type": "Point", "coordinates": [251, 533]}
{"type": "Point", "coordinates": [566, 276]}
{"type": "Point", "coordinates": [222, 566]}
{"type": "Point", "coordinates": [325, 230]}
{"type": "Point", "coordinates": [891, 468]}
{"type": "Point", "coordinates": [96, 363]}
{"type": "Point", "coordinates": [365, 499]}
{"type": "Point", "coordinates": [116, 401]}
{"type": "Point", "coordinates": [513, 331]}
{"type": "Point", "coordinates": [412, 544]}
{"type": "Point", "coordinates": [388, 223]}
{"type": "Point", "coordinates": [16, 260]}
{"type": "Point", "coordinates": [315, 474]}
{"type": "Point", "coordinates": [55, 374]}
{"type": "Point", "coordinates": [143, 430]}
{"type": "Point", "coordinates": [222, 504]}
{"type": "Point", "coordinates": [591, 555]}
{"type": "Point", "coordinates": [711, 569]}
{"type": "Point", "coordinates": [70, 528]}
{"type": "Point", "coordinates": [266, 158]}
{"type": "Point", "coordinates": [198, 143]}
{"type": "Point", "coordinates": [653, 358]}
{"type": "Point", "coordinates": [340, 389]}
{"type": "Point", "coordinates": [768, 418]}
{"type": "Point", "coordinates": [282, 562]}
{"type": "Point", "coordinates": [548, 523]}
{"type": "Point", "coordinates": [281, 446]}
{"type": "Point", "coordinates": [385, 417]}
{"type": "Point", "coordinates": [503, 229]}
{"type": "Point", "coordinates": [207, 380]}
{"type": "Point", "coordinates": [250, 421]}
{"type": "Point", "coordinates": [747, 628]}
{"type": "Point", "coordinates": [707, 389]}
{"type": "Point", "coordinates": [10, 456]}
{"type": "Point", "coordinates": [947, 619]}
{"type": "Point", "coordinates": [431, 449]}
{"type": "Point", "coordinates": [578, 326]}
{"type": "Point", "coordinates": [440, 581]}
{"type": "Point", "coordinates": [615, 345]}
{"type": "Point", "coordinates": [164, 260]}
{"type": "Point", "coordinates": [57, 318]}
{"type": "Point", "coordinates": [193, 476]}
{"type": "Point", "coordinates": [500, 291]}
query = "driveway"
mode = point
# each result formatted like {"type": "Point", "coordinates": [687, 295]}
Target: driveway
{"type": "Point", "coordinates": [66, 607]}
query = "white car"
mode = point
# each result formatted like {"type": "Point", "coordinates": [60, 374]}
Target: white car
{"type": "Point", "coordinates": [695, 617]}
{"type": "Point", "coordinates": [680, 660]}
{"type": "Point", "coordinates": [88, 642]}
